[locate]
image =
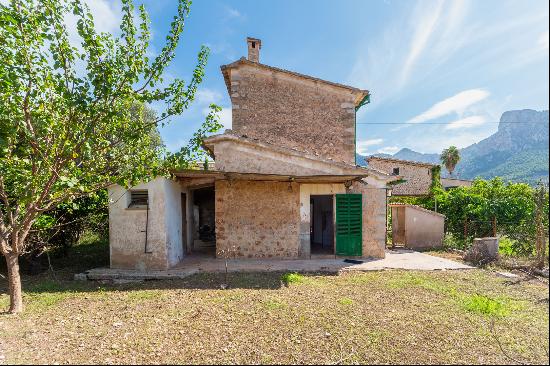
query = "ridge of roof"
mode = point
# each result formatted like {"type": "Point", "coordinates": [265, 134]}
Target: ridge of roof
{"type": "Point", "coordinates": [243, 61]}
{"type": "Point", "coordinates": [411, 162]}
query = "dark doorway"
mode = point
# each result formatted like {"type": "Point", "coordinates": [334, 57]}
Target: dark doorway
{"type": "Point", "coordinates": [204, 223]}
{"type": "Point", "coordinates": [322, 224]}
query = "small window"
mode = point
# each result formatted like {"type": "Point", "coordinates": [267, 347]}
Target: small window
{"type": "Point", "coordinates": [253, 44]}
{"type": "Point", "coordinates": [395, 171]}
{"type": "Point", "coordinates": [139, 199]}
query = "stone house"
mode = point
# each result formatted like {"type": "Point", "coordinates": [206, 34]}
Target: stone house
{"type": "Point", "coordinates": [284, 183]}
{"type": "Point", "coordinates": [417, 176]}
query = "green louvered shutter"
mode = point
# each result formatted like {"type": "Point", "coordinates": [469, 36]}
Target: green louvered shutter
{"type": "Point", "coordinates": [349, 224]}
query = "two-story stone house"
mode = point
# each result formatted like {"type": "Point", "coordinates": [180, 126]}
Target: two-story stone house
{"type": "Point", "coordinates": [285, 183]}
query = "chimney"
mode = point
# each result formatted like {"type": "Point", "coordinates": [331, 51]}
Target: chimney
{"type": "Point", "coordinates": [254, 46]}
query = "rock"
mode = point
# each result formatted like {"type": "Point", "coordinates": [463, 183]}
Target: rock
{"type": "Point", "coordinates": [483, 251]}
{"type": "Point", "coordinates": [507, 275]}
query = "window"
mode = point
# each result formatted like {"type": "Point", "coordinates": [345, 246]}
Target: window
{"type": "Point", "coordinates": [395, 171]}
{"type": "Point", "coordinates": [139, 199]}
{"type": "Point", "coordinates": [253, 44]}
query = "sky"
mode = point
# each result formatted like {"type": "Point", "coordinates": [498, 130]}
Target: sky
{"type": "Point", "coordinates": [440, 73]}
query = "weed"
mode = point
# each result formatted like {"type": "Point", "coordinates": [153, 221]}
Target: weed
{"type": "Point", "coordinates": [345, 301]}
{"type": "Point", "coordinates": [289, 278]}
{"type": "Point", "coordinates": [484, 305]}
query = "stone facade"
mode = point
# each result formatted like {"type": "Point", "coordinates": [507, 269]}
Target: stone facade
{"type": "Point", "coordinates": [290, 111]}
{"type": "Point", "coordinates": [418, 176]}
{"type": "Point", "coordinates": [257, 219]}
{"type": "Point", "coordinates": [374, 219]}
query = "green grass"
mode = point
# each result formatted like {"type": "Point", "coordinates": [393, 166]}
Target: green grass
{"type": "Point", "coordinates": [289, 278]}
{"type": "Point", "coordinates": [485, 305]}
{"type": "Point", "coordinates": [284, 318]}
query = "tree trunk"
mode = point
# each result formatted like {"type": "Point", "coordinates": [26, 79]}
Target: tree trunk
{"type": "Point", "coordinates": [14, 282]}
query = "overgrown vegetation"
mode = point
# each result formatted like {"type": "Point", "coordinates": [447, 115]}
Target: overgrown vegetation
{"type": "Point", "coordinates": [516, 211]}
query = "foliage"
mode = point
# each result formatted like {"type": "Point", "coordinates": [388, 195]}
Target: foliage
{"type": "Point", "coordinates": [450, 157]}
{"type": "Point", "coordinates": [68, 111]}
{"type": "Point", "coordinates": [487, 205]}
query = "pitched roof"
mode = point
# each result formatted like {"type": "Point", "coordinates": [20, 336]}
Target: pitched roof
{"type": "Point", "coordinates": [361, 94]}
{"type": "Point", "coordinates": [300, 153]}
{"type": "Point", "coordinates": [401, 161]}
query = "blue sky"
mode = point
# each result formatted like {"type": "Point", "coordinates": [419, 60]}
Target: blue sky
{"type": "Point", "coordinates": [457, 62]}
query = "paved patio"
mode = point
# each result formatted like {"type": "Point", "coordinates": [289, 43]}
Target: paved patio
{"type": "Point", "coordinates": [395, 259]}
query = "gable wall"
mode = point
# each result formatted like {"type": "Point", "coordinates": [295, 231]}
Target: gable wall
{"type": "Point", "coordinates": [418, 178]}
{"type": "Point", "coordinates": [294, 113]}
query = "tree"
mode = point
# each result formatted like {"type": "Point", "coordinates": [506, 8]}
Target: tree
{"type": "Point", "coordinates": [67, 112]}
{"type": "Point", "coordinates": [450, 157]}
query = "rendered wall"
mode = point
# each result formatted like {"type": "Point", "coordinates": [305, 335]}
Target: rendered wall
{"type": "Point", "coordinates": [293, 112]}
{"type": "Point", "coordinates": [257, 219]}
{"type": "Point", "coordinates": [423, 230]}
{"type": "Point", "coordinates": [127, 227]}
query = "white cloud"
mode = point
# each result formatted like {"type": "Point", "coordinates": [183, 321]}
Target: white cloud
{"type": "Point", "coordinates": [233, 13]}
{"type": "Point", "coordinates": [107, 18]}
{"type": "Point", "coordinates": [225, 117]}
{"type": "Point", "coordinates": [543, 40]}
{"type": "Point", "coordinates": [424, 25]}
{"type": "Point", "coordinates": [389, 150]}
{"type": "Point", "coordinates": [207, 96]}
{"type": "Point", "coordinates": [467, 122]}
{"type": "Point", "coordinates": [363, 145]}
{"type": "Point", "coordinates": [455, 104]}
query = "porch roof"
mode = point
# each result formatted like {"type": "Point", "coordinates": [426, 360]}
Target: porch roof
{"type": "Point", "coordinates": [219, 175]}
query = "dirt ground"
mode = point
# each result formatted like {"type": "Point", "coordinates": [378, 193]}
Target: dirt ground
{"type": "Point", "coordinates": [377, 317]}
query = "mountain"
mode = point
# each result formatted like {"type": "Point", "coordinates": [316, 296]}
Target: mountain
{"type": "Point", "coordinates": [518, 151]}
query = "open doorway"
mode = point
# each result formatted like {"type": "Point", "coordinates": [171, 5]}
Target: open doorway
{"type": "Point", "coordinates": [322, 224]}
{"type": "Point", "coordinates": [204, 221]}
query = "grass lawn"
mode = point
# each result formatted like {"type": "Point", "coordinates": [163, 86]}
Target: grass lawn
{"type": "Point", "coordinates": [376, 317]}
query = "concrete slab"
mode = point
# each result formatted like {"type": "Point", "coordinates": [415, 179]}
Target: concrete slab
{"type": "Point", "coordinates": [395, 259]}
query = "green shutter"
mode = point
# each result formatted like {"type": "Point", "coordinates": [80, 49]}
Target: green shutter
{"type": "Point", "coordinates": [349, 224]}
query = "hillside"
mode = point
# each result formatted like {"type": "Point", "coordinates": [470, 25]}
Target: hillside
{"type": "Point", "coordinates": [518, 151]}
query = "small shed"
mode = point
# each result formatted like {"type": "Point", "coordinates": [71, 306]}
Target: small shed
{"type": "Point", "coordinates": [415, 227]}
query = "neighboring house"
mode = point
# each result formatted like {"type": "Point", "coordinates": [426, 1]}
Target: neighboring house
{"type": "Point", "coordinates": [449, 183]}
{"type": "Point", "coordinates": [285, 182]}
{"type": "Point", "coordinates": [417, 176]}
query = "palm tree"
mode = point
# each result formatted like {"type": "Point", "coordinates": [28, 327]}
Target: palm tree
{"type": "Point", "coordinates": [450, 157]}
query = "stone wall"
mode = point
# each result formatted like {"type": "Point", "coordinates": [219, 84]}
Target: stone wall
{"type": "Point", "coordinates": [292, 112]}
{"type": "Point", "coordinates": [257, 219]}
{"type": "Point", "coordinates": [418, 177]}
{"type": "Point", "coordinates": [374, 219]}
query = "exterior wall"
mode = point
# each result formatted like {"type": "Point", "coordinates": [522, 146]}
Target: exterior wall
{"type": "Point", "coordinates": [306, 190]}
{"type": "Point", "coordinates": [374, 219]}
{"type": "Point", "coordinates": [418, 177]}
{"type": "Point", "coordinates": [293, 112]}
{"type": "Point", "coordinates": [423, 229]}
{"type": "Point", "coordinates": [248, 158]}
{"type": "Point", "coordinates": [416, 227]}
{"type": "Point", "coordinates": [173, 220]}
{"type": "Point", "coordinates": [257, 219]}
{"type": "Point", "coordinates": [127, 227]}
